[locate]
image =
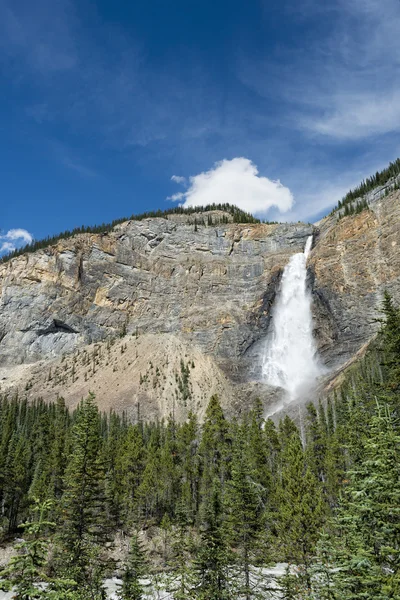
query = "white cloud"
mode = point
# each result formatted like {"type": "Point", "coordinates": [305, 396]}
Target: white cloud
{"type": "Point", "coordinates": [236, 182]}
{"type": "Point", "coordinates": [14, 238]}
{"type": "Point", "coordinates": [6, 247]}
{"type": "Point", "coordinates": [178, 179]}
{"type": "Point", "coordinates": [19, 234]}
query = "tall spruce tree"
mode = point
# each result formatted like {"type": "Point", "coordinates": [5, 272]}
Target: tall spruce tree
{"type": "Point", "coordinates": [391, 342]}
{"type": "Point", "coordinates": [135, 570]}
{"type": "Point", "coordinates": [26, 571]}
{"type": "Point", "coordinates": [301, 509]}
{"type": "Point", "coordinates": [244, 507]}
{"type": "Point", "coordinates": [213, 578]}
{"type": "Point", "coordinates": [83, 517]}
{"type": "Point", "coordinates": [214, 450]}
{"type": "Point", "coordinates": [368, 520]}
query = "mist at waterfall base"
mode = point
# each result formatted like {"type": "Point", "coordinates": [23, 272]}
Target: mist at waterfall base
{"type": "Point", "coordinates": [290, 356]}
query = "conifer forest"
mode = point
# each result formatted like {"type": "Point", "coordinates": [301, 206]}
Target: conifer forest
{"type": "Point", "coordinates": [224, 499]}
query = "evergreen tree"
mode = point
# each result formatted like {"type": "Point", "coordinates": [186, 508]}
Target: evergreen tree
{"type": "Point", "coordinates": [243, 505]}
{"type": "Point", "coordinates": [181, 577]}
{"type": "Point", "coordinates": [301, 510]}
{"type": "Point", "coordinates": [189, 466]}
{"type": "Point", "coordinates": [16, 478]}
{"type": "Point", "coordinates": [391, 342]}
{"type": "Point", "coordinates": [214, 449]}
{"type": "Point", "coordinates": [27, 569]}
{"type": "Point", "coordinates": [135, 570]}
{"type": "Point", "coordinates": [213, 579]}
{"type": "Point", "coordinates": [368, 521]}
{"type": "Point", "coordinates": [128, 472]}
{"type": "Point", "coordinates": [83, 514]}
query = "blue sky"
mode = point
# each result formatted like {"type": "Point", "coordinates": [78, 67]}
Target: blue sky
{"type": "Point", "coordinates": [110, 108]}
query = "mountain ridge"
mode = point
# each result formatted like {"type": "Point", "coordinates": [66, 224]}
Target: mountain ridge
{"type": "Point", "coordinates": [210, 284]}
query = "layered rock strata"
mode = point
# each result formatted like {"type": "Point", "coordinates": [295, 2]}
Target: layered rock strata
{"type": "Point", "coordinates": [202, 292]}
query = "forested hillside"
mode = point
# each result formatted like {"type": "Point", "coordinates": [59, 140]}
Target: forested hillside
{"type": "Point", "coordinates": [380, 178]}
{"type": "Point", "coordinates": [226, 497]}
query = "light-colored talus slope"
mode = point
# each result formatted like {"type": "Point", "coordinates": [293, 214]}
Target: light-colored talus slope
{"type": "Point", "coordinates": [149, 376]}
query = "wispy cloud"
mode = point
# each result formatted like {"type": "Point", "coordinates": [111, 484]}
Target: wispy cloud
{"type": "Point", "coordinates": [178, 179]}
{"type": "Point", "coordinates": [71, 159]}
{"type": "Point", "coordinates": [344, 86]}
{"type": "Point", "coordinates": [41, 37]}
{"type": "Point", "coordinates": [358, 115]}
{"type": "Point", "coordinates": [13, 239]}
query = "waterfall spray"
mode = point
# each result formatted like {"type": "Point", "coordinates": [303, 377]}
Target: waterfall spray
{"type": "Point", "coordinates": [290, 360]}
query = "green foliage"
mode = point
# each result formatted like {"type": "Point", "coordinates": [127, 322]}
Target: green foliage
{"type": "Point", "coordinates": [184, 384]}
{"type": "Point", "coordinates": [26, 569]}
{"type": "Point", "coordinates": [300, 508]}
{"type": "Point", "coordinates": [134, 570]}
{"type": "Point", "coordinates": [368, 520]}
{"type": "Point", "coordinates": [244, 513]}
{"type": "Point", "coordinates": [354, 202]}
{"type": "Point", "coordinates": [391, 342]}
{"type": "Point", "coordinates": [83, 502]}
{"type": "Point", "coordinates": [182, 575]}
{"type": "Point", "coordinates": [214, 559]}
{"type": "Point", "coordinates": [227, 496]}
{"type": "Point", "coordinates": [353, 207]}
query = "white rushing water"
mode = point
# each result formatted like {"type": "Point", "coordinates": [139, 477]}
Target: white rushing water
{"type": "Point", "coordinates": [290, 360]}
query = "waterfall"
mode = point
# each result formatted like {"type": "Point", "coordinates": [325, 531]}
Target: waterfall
{"type": "Point", "coordinates": [290, 360]}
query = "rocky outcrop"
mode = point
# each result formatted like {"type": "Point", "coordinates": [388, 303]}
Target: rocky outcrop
{"type": "Point", "coordinates": [353, 261]}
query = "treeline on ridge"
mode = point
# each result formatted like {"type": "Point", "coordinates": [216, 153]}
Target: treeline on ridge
{"type": "Point", "coordinates": [379, 179]}
{"type": "Point", "coordinates": [238, 215]}
{"type": "Point", "coordinates": [227, 496]}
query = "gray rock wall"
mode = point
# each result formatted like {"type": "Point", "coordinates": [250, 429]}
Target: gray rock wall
{"type": "Point", "coordinates": [213, 286]}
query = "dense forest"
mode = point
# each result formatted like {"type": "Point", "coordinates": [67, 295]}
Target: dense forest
{"type": "Point", "coordinates": [238, 216]}
{"type": "Point", "coordinates": [348, 202]}
{"type": "Point", "coordinates": [226, 497]}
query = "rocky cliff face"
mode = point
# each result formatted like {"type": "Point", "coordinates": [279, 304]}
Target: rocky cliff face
{"type": "Point", "coordinates": [354, 260]}
{"type": "Point", "coordinates": [203, 293]}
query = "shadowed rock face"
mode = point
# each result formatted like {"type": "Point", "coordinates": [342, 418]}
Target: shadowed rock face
{"type": "Point", "coordinates": [212, 287]}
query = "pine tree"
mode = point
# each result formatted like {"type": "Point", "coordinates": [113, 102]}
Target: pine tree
{"type": "Point", "coordinates": [181, 574]}
{"type": "Point", "coordinates": [128, 471]}
{"type": "Point", "coordinates": [82, 518]}
{"type": "Point", "coordinates": [27, 569]}
{"type": "Point", "coordinates": [391, 342]}
{"type": "Point", "coordinates": [213, 579]}
{"type": "Point", "coordinates": [368, 521]}
{"type": "Point", "coordinates": [16, 478]}
{"type": "Point", "coordinates": [189, 467]}
{"type": "Point", "coordinates": [301, 510]}
{"type": "Point", "coordinates": [243, 504]}
{"type": "Point", "coordinates": [316, 441]}
{"type": "Point", "coordinates": [135, 570]}
{"type": "Point", "coordinates": [214, 449]}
